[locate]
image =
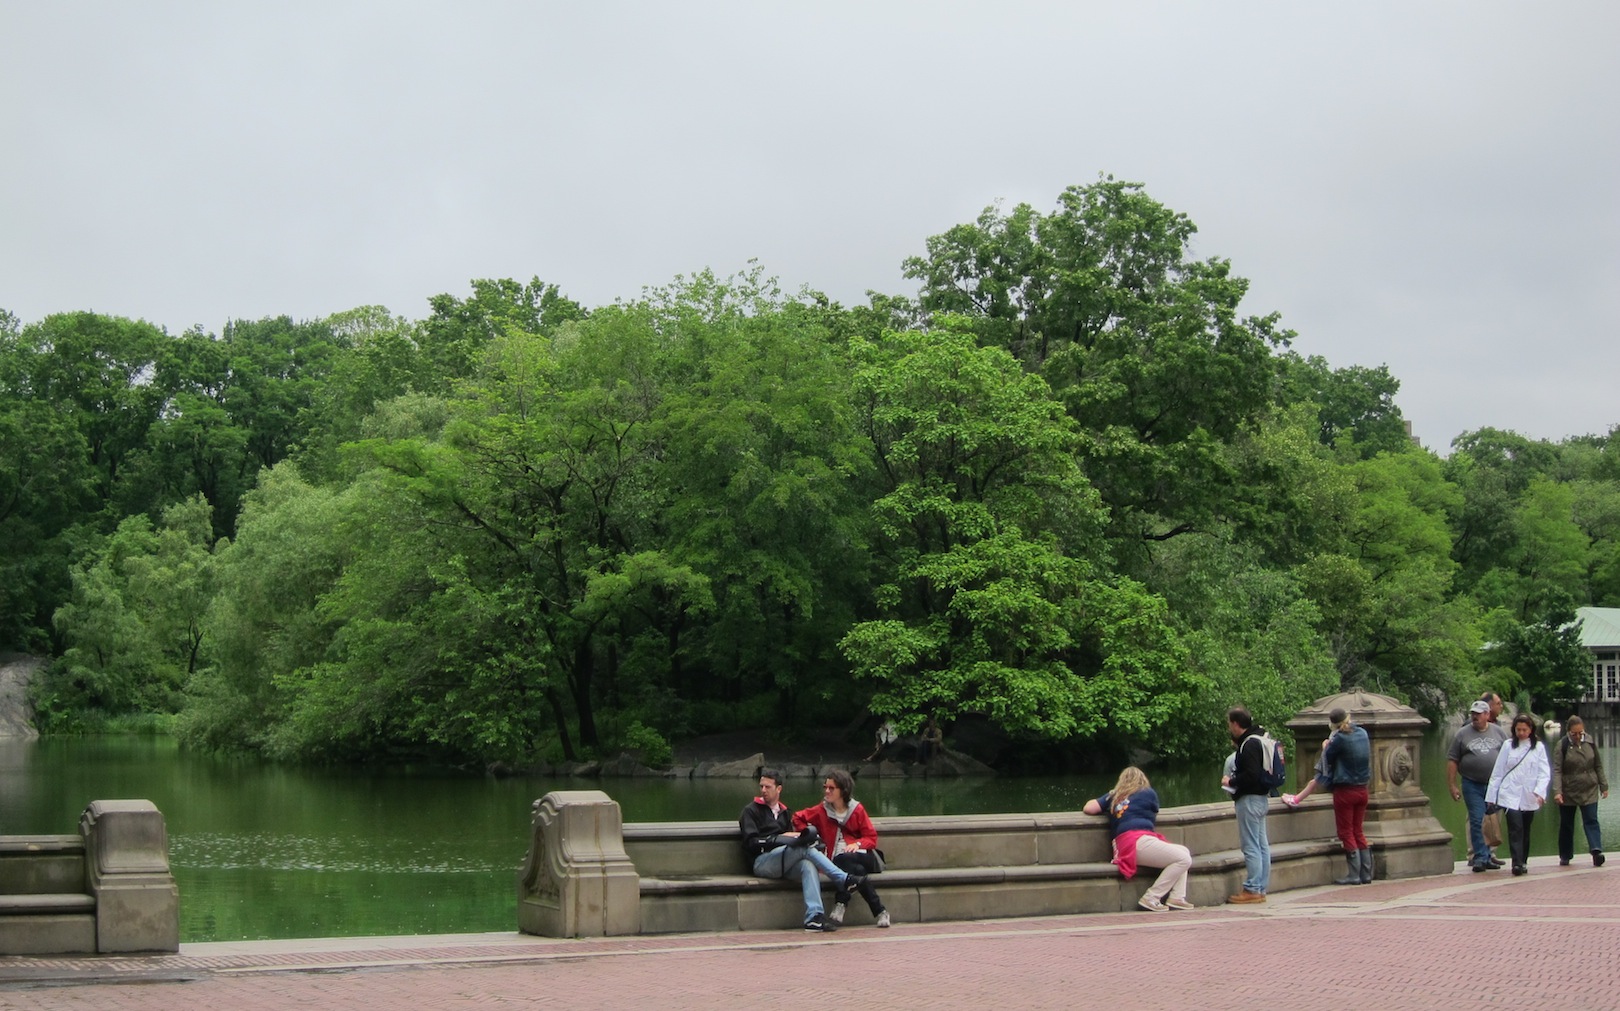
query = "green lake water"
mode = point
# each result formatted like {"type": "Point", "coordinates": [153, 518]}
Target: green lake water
{"type": "Point", "coordinates": [268, 851]}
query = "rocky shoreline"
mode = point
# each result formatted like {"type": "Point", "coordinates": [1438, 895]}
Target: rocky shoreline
{"type": "Point", "coordinates": [721, 756]}
{"type": "Point", "coordinates": [947, 764]}
{"type": "Point", "coordinates": [17, 670]}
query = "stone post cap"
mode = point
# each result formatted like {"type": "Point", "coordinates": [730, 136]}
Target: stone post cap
{"type": "Point", "coordinates": [1368, 709]}
{"type": "Point", "coordinates": [125, 837]}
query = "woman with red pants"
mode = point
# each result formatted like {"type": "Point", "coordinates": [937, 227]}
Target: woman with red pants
{"type": "Point", "coordinates": [1346, 768]}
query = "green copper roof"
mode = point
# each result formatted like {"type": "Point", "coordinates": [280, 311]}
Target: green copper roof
{"type": "Point", "coordinates": [1600, 626]}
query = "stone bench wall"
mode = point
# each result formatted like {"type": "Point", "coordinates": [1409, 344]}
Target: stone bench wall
{"type": "Point", "coordinates": [107, 889]}
{"type": "Point", "coordinates": [661, 877]}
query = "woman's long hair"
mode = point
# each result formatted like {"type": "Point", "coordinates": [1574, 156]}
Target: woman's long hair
{"type": "Point", "coordinates": [1131, 780]}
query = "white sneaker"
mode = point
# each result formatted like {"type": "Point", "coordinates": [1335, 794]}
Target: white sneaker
{"type": "Point", "coordinates": [883, 919]}
{"type": "Point", "coordinates": [1179, 904]}
{"type": "Point", "coordinates": [1151, 904]}
{"type": "Point", "coordinates": [837, 914]}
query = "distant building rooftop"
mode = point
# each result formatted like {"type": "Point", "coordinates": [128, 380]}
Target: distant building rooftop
{"type": "Point", "coordinates": [1600, 626]}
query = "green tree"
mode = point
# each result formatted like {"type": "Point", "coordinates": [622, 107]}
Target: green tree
{"type": "Point", "coordinates": [1144, 346]}
{"type": "Point", "coordinates": [763, 471]}
{"type": "Point", "coordinates": [453, 337]}
{"type": "Point", "coordinates": [264, 621]}
{"type": "Point", "coordinates": [1385, 594]}
{"type": "Point", "coordinates": [1543, 658]}
{"type": "Point", "coordinates": [134, 624]}
{"type": "Point", "coordinates": [990, 601]}
{"type": "Point", "coordinates": [1355, 404]}
{"type": "Point", "coordinates": [1547, 563]}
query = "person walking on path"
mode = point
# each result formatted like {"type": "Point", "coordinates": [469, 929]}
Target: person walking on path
{"type": "Point", "coordinates": [1470, 760]}
{"type": "Point", "coordinates": [1250, 795]}
{"type": "Point", "coordinates": [1577, 783]}
{"type": "Point", "coordinates": [1132, 807]}
{"type": "Point", "coordinates": [775, 851]}
{"type": "Point", "coordinates": [1519, 787]}
{"type": "Point", "coordinates": [1346, 769]}
{"type": "Point", "coordinates": [851, 840]}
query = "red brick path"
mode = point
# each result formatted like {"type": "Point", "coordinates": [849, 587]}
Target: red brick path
{"type": "Point", "coordinates": [1549, 939]}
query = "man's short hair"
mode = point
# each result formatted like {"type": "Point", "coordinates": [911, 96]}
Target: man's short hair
{"type": "Point", "coordinates": [773, 774]}
{"type": "Point", "coordinates": [1490, 698]}
{"type": "Point", "coordinates": [1240, 716]}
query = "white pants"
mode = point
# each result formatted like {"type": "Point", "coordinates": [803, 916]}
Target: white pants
{"type": "Point", "coordinates": [1176, 861]}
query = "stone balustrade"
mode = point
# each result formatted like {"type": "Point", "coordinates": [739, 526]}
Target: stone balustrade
{"type": "Point", "coordinates": [588, 874]}
{"type": "Point", "coordinates": [107, 889]}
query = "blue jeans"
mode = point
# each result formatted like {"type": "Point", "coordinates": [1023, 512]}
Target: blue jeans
{"type": "Point", "coordinates": [1252, 839]}
{"type": "Point", "coordinates": [780, 862]}
{"type": "Point", "coordinates": [1474, 798]}
{"type": "Point", "coordinates": [1566, 828]}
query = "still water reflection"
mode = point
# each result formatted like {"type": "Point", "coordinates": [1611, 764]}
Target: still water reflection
{"type": "Point", "coordinates": [266, 851]}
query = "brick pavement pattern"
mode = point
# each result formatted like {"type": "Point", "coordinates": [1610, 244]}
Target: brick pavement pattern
{"type": "Point", "coordinates": [1548, 939]}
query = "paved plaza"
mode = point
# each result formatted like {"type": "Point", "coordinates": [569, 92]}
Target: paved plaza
{"type": "Point", "coordinates": [1550, 939]}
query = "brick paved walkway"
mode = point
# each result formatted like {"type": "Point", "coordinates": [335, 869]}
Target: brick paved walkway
{"type": "Point", "coordinates": [1551, 938]}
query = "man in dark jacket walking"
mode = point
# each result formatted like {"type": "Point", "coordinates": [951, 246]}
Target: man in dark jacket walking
{"type": "Point", "coordinates": [774, 850]}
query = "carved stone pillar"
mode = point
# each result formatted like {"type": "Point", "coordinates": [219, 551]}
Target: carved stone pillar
{"type": "Point", "coordinates": [577, 880]}
{"type": "Point", "coordinates": [1406, 838]}
{"type": "Point", "coordinates": [126, 850]}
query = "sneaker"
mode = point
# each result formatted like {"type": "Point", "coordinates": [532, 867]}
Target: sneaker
{"type": "Point", "coordinates": [1179, 904]}
{"type": "Point", "coordinates": [818, 924]}
{"type": "Point", "coordinates": [1151, 904]}
{"type": "Point", "coordinates": [837, 914]}
{"type": "Point", "coordinates": [883, 919]}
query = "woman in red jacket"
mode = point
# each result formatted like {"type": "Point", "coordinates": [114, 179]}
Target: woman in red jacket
{"type": "Point", "coordinates": [849, 837]}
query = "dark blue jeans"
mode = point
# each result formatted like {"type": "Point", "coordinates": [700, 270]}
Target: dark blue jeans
{"type": "Point", "coordinates": [1473, 795]}
{"type": "Point", "coordinates": [1566, 828]}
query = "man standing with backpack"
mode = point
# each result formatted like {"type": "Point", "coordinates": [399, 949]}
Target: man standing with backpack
{"type": "Point", "coordinates": [1251, 794]}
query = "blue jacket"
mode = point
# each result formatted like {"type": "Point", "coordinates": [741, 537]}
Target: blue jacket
{"type": "Point", "coordinates": [1348, 758]}
{"type": "Point", "coordinates": [1141, 812]}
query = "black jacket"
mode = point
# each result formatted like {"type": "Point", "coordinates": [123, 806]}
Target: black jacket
{"type": "Point", "coordinates": [760, 828]}
{"type": "Point", "coordinates": [1250, 764]}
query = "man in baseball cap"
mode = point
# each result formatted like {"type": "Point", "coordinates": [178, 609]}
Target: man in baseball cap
{"type": "Point", "coordinates": [1473, 757]}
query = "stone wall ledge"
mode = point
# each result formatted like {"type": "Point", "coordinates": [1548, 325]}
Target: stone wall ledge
{"type": "Point", "coordinates": [106, 890]}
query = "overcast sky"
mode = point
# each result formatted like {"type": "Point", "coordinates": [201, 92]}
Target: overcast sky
{"type": "Point", "coordinates": [1427, 186]}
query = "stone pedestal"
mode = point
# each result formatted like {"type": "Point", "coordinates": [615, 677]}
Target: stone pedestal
{"type": "Point", "coordinates": [1407, 839]}
{"type": "Point", "coordinates": [126, 848]}
{"type": "Point", "coordinates": [576, 880]}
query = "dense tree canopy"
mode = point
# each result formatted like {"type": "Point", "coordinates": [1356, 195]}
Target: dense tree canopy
{"type": "Point", "coordinates": [1072, 490]}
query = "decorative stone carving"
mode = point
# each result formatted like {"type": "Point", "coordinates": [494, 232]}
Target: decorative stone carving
{"type": "Point", "coordinates": [576, 880]}
{"type": "Point", "coordinates": [1398, 764]}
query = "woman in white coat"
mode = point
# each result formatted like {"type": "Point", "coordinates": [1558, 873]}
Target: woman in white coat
{"type": "Point", "coordinates": [1519, 786]}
